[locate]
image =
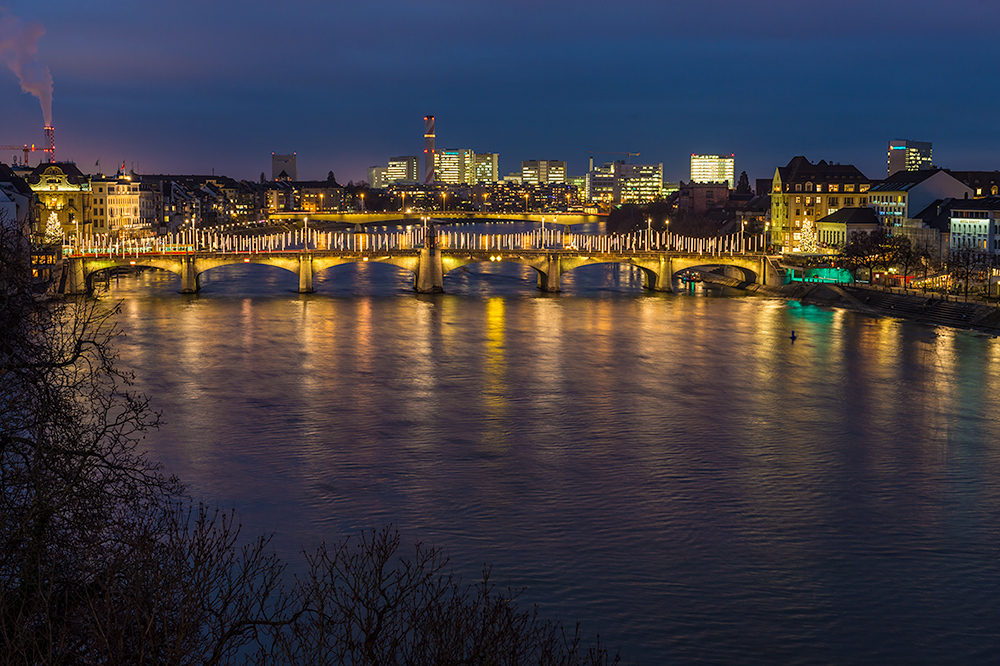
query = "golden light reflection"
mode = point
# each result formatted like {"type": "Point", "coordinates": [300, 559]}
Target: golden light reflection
{"type": "Point", "coordinates": [495, 389]}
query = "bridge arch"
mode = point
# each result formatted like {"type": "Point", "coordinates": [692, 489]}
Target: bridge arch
{"type": "Point", "coordinates": [328, 269]}
{"type": "Point", "coordinates": [207, 268]}
{"type": "Point", "coordinates": [648, 271]}
{"type": "Point", "coordinates": [746, 274]}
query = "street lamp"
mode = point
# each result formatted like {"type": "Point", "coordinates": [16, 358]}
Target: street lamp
{"type": "Point", "coordinates": [362, 202]}
{"type": "Point", "coordinates": [321, 195]}
{"type": "Point", "coordinates": [526, 203]}
{"type": "Point", "coordinates": [444, 201]}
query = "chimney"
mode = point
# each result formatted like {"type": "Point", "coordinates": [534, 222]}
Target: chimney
{"type": "Point", "coordinates": [50, 138]}
{"type": "Point", "coordinates": [429, 150]}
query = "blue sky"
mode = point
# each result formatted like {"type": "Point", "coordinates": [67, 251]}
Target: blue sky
{"type": "Point", "coordinates": [191, 86]}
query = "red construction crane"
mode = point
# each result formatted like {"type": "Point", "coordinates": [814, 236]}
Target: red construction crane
{"type": "Point", "coordinates": [26, 148]}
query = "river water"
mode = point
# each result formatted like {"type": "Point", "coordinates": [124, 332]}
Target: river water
{"type": "Point", "coordinates": [669, 469]}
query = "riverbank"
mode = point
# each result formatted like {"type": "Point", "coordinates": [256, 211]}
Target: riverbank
{"type": "Point", "coordinates": [924, 308]}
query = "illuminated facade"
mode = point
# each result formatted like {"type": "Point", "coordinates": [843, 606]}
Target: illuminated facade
{"type": "Point", "coordinates": [487, 169]}
{"type": "Point", "coordinates": [803, 192]}
{"type": "Point", "coordinates": [713, 169]}
{"type": "Point", "coordinates": [620, 183]}
{"type": "Point", "coordinates": [543, 172]}
{"type": "Point", "coordinates": [975, 224]}
{"type": "Point", "coordinates": [60, 188]}
{"type": "Point", "coordinates": [404, 169]}
{"type": "Point", "coordinates": [639, 183]}
{"type": "Point", "coordinates": [122, 206]}
{"type": "Point", "coordinates": [905, 155]}
{"type": "Point", "coordinates": [454, 167]}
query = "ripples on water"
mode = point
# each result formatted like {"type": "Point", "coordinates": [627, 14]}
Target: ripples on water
{"type": "Point", "coordinates": [668, 468]}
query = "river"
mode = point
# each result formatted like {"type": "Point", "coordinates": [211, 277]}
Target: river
{"type": "Point", "coordinates": [672, 470]}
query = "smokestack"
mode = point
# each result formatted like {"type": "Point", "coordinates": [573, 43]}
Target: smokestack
{"type": "Point", "coordinates": [18, 46]}
{"type": "Point", "coordinates": [50, 138]}
{"type": "Point", "coordinates": [428, 150]}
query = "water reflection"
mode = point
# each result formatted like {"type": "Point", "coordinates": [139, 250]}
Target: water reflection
{"type": "Point", "coordinates": [671, 469]}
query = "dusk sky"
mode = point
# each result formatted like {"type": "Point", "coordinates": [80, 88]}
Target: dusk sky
{"type": "Point", "coordinates": [187, 87]}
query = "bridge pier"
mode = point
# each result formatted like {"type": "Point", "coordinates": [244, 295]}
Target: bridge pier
{"type": "Point", "coordinates": [305, 274]}
{"type": "Point", "coordinates": [664, 275]}
{"type": "Point", "coordinates": [76, 280]}
{"type": "Point", "coordinates": [550, 279]}
{"type": "Point", "coordinates": [189, 276]}
{"type": "Point", "coordinates": [430, 273]}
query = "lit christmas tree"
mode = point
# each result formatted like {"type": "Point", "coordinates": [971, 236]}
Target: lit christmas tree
{"type": "Point", "coordinates": [53, 230]}
{"type": "Point", "coordinates": [807, 241]}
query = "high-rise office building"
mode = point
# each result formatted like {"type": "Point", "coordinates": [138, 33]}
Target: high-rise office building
{"type": "Point", "coordinates": [403, 169]}
{"type": "Point", "coordinates": [487, 168]}
{"type": "Point", "coordinates": [639, 183]}
{"type": "Point", "coordinates": [906, 155]}
{"type": "Point", "coordinates": [713, 169]}
{"type": "Point", "coordinates": [617, 182]}
{"type": "Point", "coordinates": [543, 172]}
{"type": "Point", "coordinates": [454, 167]}
{"type": "Point", "coordinates": [284, 164]}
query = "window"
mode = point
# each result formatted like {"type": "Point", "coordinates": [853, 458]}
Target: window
{"type": "Point", "coordinates": [848, 201]}
{"type": "Point", "coordinates": [798, 200]}
{"type": "Point", "coordinates": [833, 201]}
{"type": "Point", "coordinates": [849, 187]}
{"type": "Point", "coordinates": [833, 187]}
{"type": "Point", "coordinates": [798, 187]}
{"type": "Point", "coordinates": [809, 187]}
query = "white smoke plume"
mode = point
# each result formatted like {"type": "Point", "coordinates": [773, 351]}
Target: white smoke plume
{"type": "Point", "coordinates": [18, 46]}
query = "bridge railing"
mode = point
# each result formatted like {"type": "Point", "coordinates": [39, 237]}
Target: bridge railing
{"type": "Point", "coordinates": [312, 240]}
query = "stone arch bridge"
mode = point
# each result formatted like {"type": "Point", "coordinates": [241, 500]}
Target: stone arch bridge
{"type": "Point", "coordinates": [429, 265]}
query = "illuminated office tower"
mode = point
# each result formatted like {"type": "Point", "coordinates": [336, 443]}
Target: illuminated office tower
{"type": "Point", "coordinates": [454, 167]}
{"type": "Point", "coordinates": [404, 169]}
{"type": "Point", "coordinates": [639, 183]}
{"type": "Point", "coordinates": [713, 169]}
{"type": "Point", "coordinates": [543, 172]}
{"type": "Point", "coordinates": [487, 168]}
{"type": "Point", "coordinates": [617, 182]}
{"type": "Point", "coordinates": [905, 155]}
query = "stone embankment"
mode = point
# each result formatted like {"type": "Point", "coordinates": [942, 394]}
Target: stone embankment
{"type": "Point", "coordinates": [925, 308]}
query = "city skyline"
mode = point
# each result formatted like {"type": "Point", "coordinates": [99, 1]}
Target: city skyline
{"type": "Point", "coordinates": [345, 88]}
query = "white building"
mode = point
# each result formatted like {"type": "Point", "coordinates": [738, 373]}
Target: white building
{"type": "Point", "coordinates": [713, 169]}
{"type": "Point", "coordinates": [975, 224]}
{"type": "Point", "coordinates": [905, 193]}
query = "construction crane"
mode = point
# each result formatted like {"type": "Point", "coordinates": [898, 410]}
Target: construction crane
{"type": "Point", "coordinates": [629, 156]}
{"type": "Point", "coordinates": [26, 148]}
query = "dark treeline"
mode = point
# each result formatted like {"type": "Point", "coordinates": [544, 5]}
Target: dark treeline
{"type": "Point", "coordinates": [105, 560]}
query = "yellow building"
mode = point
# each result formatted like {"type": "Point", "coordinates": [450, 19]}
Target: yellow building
{"type": "Point", "coordinates": [60, 189]}
{"type": "Point", "coordinates": [803, 192]}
